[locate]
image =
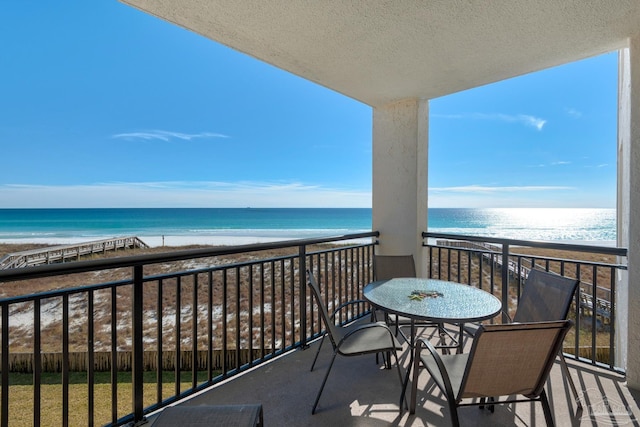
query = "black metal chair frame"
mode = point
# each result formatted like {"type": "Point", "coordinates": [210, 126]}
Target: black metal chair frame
{"type": "Point", "coordinates": [454, 386]}
{"type": "Point", "coordinates": [526, 311]}
{"type": "Point", "coordinates": [341, 337]}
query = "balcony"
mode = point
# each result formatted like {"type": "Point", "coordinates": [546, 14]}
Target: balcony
{"type": "Point", "coordinates": [359, 392]}
{"type": "Point", "coordinates": [238, 327]}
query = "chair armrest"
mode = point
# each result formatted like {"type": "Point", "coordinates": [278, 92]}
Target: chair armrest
{"type": "Point", "coordinates": [441, 377]}
{"type": "Point", "coordinates": [346, 304]}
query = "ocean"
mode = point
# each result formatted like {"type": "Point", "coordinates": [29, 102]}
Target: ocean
{"type": "Point", "coordinates": [231, 226]}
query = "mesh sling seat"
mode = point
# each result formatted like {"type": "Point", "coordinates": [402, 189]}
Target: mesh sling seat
{"type": "Point", "coordinates": [389, 266]}
{"type": "Point", "coordinates": [546, 296]}
{"type": "Point", "coordinates": [505, 360]}
{"type": "Point", "coordinates": [355, 340]}
{"type": "Point", "coordinates": [345, 328]}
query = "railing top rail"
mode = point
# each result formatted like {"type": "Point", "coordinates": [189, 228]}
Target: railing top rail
{"type": "Point", "coordinates": [527, 256]}
{"type": "Point", "coordinates": [608, 250]}
{"type": "Point", "coordinates": [180, 255]}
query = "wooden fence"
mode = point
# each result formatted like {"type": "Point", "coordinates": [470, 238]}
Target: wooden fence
{"type": "Point", "coordinates": [78, 361]}
{"type": "Point", "coordinates": [602, 353]}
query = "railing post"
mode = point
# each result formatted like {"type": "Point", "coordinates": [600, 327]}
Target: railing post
{"type": "Point", "coordinates": [505, 282]}
{"type": "Point", "coordinates": [137, 347]}
{"type": "Point", "coordinates": [302, 254]}
{"type": "Point", "coordinates": [4, 406]}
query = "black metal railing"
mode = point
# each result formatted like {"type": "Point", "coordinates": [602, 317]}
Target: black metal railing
{"type": "Point", "coordinates": [192, 318]}
{"type": "Point", "coordinates": [500, 266]}
{"type": "Point", "coordinates": [163, 314]}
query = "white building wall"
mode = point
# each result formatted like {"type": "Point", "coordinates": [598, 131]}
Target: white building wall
{"type": "Point", "coordinates": [400, 158]}
{"type": "Point", "coordinates": [628, 291]}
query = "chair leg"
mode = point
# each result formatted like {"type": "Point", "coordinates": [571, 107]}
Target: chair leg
{"type": "Point", "coordinates": [453, 410]}
{"type": "Point", "coordinates": [313, 411]}
{"type": "Point", "coordinates": [374, 318]}
{"type": "Point", "coordinates": [460, 348]}
{"type": "Point", "coordinates": [547, 409]}
{"type": "Point", "coordinates": [397, 326]}
{"type": "Point", "coordinates": [483, 402]}
{"type": "Point", "coordinates": [442, 338]}
{"type": "Point", "coordinates": [317, 352]}
{"type": "Point", "coordinates": [395, 354]}
{"type": "Point", "coordinates": [572, 386]}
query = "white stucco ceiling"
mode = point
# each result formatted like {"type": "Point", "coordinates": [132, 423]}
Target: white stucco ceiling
{"type": "Point", "coordinates": [382, 51]}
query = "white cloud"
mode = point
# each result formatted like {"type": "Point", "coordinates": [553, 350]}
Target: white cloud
{"type": "Point", "coordinates": [536, 122]}
{"type": "Point", "coordinates": [527, 120]}
{"type": "Point", "coordinates": [573, 112]}
{"type": "Point", "coordinates": [556, 163]}
{"type": "Point", "coordinates": [181, 194]}
{"type": "Point", "coordinates": [163, 135]}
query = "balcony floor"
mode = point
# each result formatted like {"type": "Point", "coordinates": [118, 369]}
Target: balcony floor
{"type": "Point", "coordinates": [361, 393]}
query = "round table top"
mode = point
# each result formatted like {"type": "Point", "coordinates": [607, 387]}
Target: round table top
{"type": "Point", "coordinates": [433, 300]}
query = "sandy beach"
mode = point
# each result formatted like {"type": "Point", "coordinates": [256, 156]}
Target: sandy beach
{"type": "Point", "coordinates": [153, 241]}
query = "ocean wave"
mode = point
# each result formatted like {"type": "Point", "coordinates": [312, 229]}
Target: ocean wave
{"type": "Point", "coordinates": [264, 232]}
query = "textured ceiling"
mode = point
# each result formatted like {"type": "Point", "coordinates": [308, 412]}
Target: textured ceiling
{"type": "Point", "coordinates": [382, 51]}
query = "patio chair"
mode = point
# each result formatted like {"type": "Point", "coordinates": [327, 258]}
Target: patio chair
{"type": "Point", "coordinates": [355, 340]}
{"type": "Point", "coordinates": [389, 266]}
{"type": "Point", "coordinates": [546, 296]}
{"type": "Point", "coordinates": [505, 361]}
{"type": "Point", "coordinates": [346, 328]}
{"type": "Point", "coordinates": [386, 267]}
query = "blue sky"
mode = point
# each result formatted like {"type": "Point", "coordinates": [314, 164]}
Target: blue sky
{"type": "Point", "coordinates": [105, 106]}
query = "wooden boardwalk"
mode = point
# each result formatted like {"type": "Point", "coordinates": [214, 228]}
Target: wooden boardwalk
{"type": "Point", "coordinates": [63, 253]}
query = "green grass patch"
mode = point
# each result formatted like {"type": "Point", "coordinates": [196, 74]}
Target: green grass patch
{"type": "Point", "coordinates": [21, 396]}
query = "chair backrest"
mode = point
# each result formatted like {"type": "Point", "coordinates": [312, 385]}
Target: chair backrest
{"type": "Point", "coordinates": [515, 358]}
{"type": "Point", "coordinates": [334, 332]}
{"type": "Point", "coordinates": [545, 296]}
{"type": "Point", "coordinates": [387, 267]}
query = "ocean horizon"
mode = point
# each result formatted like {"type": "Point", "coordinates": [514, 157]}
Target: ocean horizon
{"type": "Point", "coordinates": [232, 226]}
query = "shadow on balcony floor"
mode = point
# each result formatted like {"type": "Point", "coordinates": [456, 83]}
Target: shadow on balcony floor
{"type": "Point", "coordinates": [361, 393]}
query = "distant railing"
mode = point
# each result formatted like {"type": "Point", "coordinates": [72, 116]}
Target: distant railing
{"type": "Point", "coordinates": [479, 261]}
{"type": "Point", "coordinates": [258, 306]}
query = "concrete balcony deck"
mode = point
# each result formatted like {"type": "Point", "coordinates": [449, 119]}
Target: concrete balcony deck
{"type": "Point", "coordinates": [360, 393]}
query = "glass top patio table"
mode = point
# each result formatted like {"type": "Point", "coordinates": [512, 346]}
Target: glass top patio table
{"type": "Point", "coordinates": [442, 301]}
{"type": "Point", "coordinates": [431, 300]}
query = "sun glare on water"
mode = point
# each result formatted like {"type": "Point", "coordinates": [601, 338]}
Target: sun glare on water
{"type": "Point", "coordinates": [552, 223]}
{"type": "Point", "coordinates": [539, 217]}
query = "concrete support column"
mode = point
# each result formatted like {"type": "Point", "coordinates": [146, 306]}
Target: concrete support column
{"type": "Point", "coordinates": [400, 157]}
{"type": "Point", "coordinates": [628, 292]}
